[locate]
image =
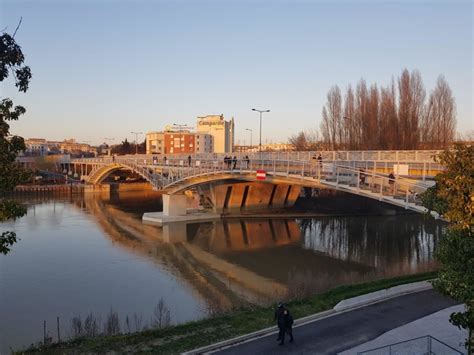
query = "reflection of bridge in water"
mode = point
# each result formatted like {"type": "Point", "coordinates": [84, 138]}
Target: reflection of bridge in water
{"type": "Point", "coordinates": [234, 261]}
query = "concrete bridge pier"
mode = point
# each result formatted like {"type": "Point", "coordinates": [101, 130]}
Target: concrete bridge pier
{"type": "Point", "coordinates": [174, 205]}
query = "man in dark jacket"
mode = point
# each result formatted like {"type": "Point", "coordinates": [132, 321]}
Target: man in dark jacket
{"type": "Point", "coordinates": [287, 326]}
{"type": "Point", "coordinates": [280, 319]}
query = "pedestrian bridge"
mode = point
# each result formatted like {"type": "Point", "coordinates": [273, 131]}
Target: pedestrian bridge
{"type": "Point", "coordinates": [178, 174]}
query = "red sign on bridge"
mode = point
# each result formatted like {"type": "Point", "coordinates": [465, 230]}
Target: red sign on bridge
{"type": "Point", "coordinates": [261, 175]}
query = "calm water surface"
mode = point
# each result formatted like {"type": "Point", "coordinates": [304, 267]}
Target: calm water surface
{"type": "Point", "coordinates": [94, 254]}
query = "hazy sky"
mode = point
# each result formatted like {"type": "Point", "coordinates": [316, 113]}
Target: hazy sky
{"type": "Point", "coordinates": [106, 68]}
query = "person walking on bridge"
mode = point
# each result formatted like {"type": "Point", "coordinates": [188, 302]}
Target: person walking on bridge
{"type": "Point", "coordinates": [391, 182]}
{"type": "Point", "coordinates": [189, 160]}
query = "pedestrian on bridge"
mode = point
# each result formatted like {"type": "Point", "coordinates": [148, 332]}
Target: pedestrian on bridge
{"type": "Point", "coordinates": [189, 160]}
{"type": "Point", "coordinates": [228, 161]}
{"type": "Point", "coordinates": [391, 182]}
{"type": "Point", "coordinates": [247, 161]}
{"type": "Point", "coordinates": [234, 161]}
{"type": "Point", "coordinates": [362, 177]}
{"type": "Point", "coordinates": [320, 160]}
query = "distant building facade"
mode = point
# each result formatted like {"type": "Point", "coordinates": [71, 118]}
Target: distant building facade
{"type": "Point", "coordinates": [204, 143]}
{"type": "Point", "coordinates": [221, 130]}
{"type": "Point", "coordinates": [178, 142]}
{"type": "Point", "coordinates": [155, 142]}
{"type": "Point", "coordinates": [42, 147]}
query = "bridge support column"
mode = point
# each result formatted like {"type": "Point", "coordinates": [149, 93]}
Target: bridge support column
{"type": "Point", "coordinates": [174, 205]}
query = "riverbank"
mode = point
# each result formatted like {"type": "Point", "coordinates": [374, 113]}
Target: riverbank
{"type": "Point", "coordinates": [196, 334]}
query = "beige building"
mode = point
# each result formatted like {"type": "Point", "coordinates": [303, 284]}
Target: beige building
{"type": "Point", "coordinates": [155, 142]}
{"type": "Point", "coordinates": [221, 130]}
{"type": "Point", "coordinates": [40, 146]}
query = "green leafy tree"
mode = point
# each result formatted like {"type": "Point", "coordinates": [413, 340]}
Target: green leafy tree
{"type": "Point", "coordinates": [11, 174]}
{"type": "Point", "coordinates": [453, 198]}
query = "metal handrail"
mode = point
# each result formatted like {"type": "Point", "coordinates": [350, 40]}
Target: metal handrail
{"type": "Point", "coordinates": [428, 345]}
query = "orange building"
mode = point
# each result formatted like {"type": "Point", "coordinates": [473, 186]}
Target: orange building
{"type": "Point", "coordinates": [179, 142]}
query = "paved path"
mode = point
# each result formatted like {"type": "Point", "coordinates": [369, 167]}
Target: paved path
{"type": "Point", "coordinates": [347, 330]}
{"type": "Point", "coordinates": [437, 325]}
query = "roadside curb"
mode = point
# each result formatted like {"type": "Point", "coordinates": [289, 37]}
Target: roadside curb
{"type": "Point", "coordinates": [381, 295]}
{"type": "Point", "coordinates": [342, 307]}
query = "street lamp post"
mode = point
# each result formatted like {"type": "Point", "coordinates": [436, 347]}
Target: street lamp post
{"type": "Point", "coordinates": [260, 139]}
{"type": "Point", "coordinates": [136, 140]}
{"type": "Point", "coordinates": [250, 130]}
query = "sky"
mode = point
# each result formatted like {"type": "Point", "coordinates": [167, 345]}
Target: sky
{"type": "Point", "coordinates": [106, 68]}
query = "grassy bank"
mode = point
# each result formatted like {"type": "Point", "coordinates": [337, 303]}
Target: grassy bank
{"type": "Point", "coordinates": [207, 331]}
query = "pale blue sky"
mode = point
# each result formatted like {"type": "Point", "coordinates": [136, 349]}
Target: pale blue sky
{"type": "Point", "coordinates": [105, 68]}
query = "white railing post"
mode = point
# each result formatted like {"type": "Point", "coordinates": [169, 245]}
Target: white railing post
{"type": "Point", "coordinates": [288, 167]}
{"type": "Point", "coordinates": [424, 171]}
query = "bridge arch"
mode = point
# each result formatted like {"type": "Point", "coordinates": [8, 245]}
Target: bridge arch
{"type": "Point", "coordinates": [101, 173]}
{"type": "Point", "coordinates": [186, 183]}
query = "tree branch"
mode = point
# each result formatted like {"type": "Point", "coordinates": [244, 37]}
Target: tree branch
{"type": "Point", "coordinates": [17, 27]}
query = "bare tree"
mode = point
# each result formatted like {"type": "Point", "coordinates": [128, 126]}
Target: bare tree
{"type": "Point", "coordinates": [349, 119]}
{"type": "Point", "coordinates": [332, 127]}
{"type": "Point", "coordinates": [410, 108]}
{"type": "Point", "coordinates": [161, 315]}
{"type": "Point", "coordinates": [439, 125]}
{"type": "Point", "coordinates": [370, 132]}
{"type": "Point", "coordinates": [392, 117]}
{"type": "Point", "coordinates": [112, 323]}
{"type": "Point", "coordinates": [388, 120]}
{"type": "Point", "coordinates": [137, 322]}
{"type": "Point", "coordinates": [91, 326]}
{"type": "Point", "coordinates": [305, 140]}
{"type": "Point", "coordinates": [76, 327]}
{"type": "Point", "coordinates": [361, 99]}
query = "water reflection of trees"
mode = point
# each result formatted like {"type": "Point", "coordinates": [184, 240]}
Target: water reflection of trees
{"type": "Point", "coordinates": [234, 261]}
{"type": "Point", "coordinates": [403, 242]}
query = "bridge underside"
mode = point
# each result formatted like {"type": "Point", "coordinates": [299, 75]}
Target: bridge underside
{"type": "Point", "coordinates": [235, 197]}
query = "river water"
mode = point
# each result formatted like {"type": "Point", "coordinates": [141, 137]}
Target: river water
{"type": "Point", "coordinates": [93, 254]}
